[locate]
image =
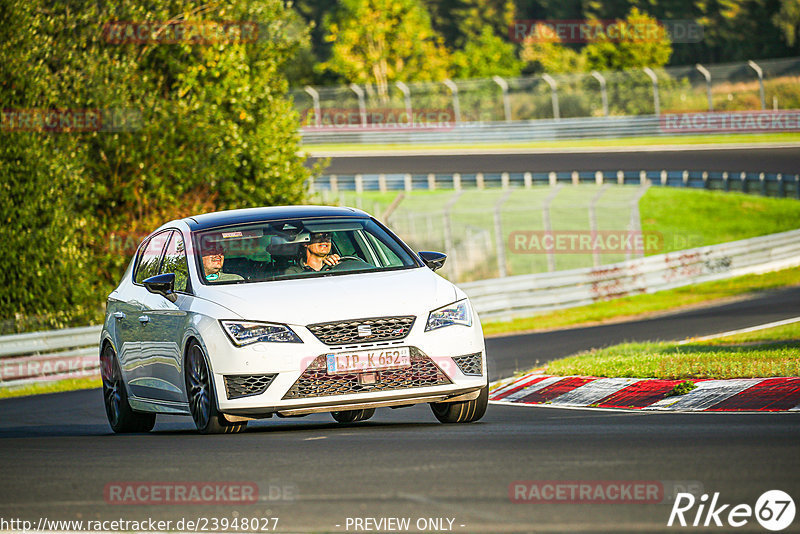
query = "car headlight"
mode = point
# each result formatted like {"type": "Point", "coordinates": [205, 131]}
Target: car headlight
{"type": "Point", "coordinates": [247, 332]}
{"type": "Point", "coordinates": [455, 313]}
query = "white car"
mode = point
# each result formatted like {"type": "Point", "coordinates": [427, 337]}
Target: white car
{"type": "Point", "coordinates": [239, 315]}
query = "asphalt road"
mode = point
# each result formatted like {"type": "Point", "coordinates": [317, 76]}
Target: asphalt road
{"type": "Point", "coordinates": [785, 160]}
{"type": "Point", "coordinates": [58, 456]}
{"type": "Point", "coordinates": [521, 352]}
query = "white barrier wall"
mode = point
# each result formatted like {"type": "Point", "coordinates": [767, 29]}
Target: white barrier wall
{"type": "Point", "coordinates": [512, 296]}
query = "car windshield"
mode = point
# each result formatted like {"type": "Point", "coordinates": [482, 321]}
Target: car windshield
{"type": "Point", "coordinates": [297, 248]}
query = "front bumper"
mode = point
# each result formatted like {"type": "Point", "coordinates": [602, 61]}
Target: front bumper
{"type": "Point", "coordinates": [297, 384]}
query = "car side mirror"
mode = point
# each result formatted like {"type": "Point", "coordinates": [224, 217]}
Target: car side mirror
{"type": "Point", "coordinates": [162, 284]}
{"type": "Point", "coordinates": [434, 260]}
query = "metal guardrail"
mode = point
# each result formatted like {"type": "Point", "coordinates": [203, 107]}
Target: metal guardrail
{"type": "Point", "coordinates": [494, 132]}
{"type": "Point", "coordinates": [766, 184]}
{"type": "Point", "coordinates": [504, 298]}
{"type": "Point", "coordinates": [49, 356]}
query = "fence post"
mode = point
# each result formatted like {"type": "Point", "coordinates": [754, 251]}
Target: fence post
{"type": "Point", "coordinates": [551, 258]}
{"type": "Point", "coordinates": [317, 110]}
{"type": "Point", "coordinates": [552, 83]}
{"type": "Point", "coordinates": [642, 177]}
{"type": "Point", "coordinates": [763, 179]}
{"type": "Point", "coordinates": [620, 178]}
{"type": "Point", "coordinates": [359, 184]}
{"type": "Point", "coordinates": [663, 177]}
{"type": "Point", "coordinates": [449, 244]}
{"type": "Point", "coordinates": [506, 102]}
{"type": "Point", "coordinates": [654, 79]}
{"type": "Point", "coordinates": [753, 65]}
{"type": "Point", "coordinates": [479, 180]}
{"type": "Point", "coordinates": [334, 181]}
{"type": "Point", "coordinates": [685, 178]}
{"type": "Point", "coordinates": [603, 94]}
{"type": "Point", "coordinates": [527, 179]}
{"type": "Point", "coordinates": [502, 264]}
{"type": "Point", "coordinates": [457, 181]}
{"type": "Point", "coordinates": [593, 224]}
{"type": "Point", "coordinates": [552, 178]}
{"type": "Point", "coordinates": [382, 183]}
{"type": "Point", "coordinates": [707, 76]}
{"type": "Point", "coordinates": [726, 185]}
{"type": "Point", "coordinates": [407, 184]}
{"type": "Point", "coordinates": [598, 177]}
{"type": "Point", "coordinates": [576, 179]}
{"type": "Point", "coordinates": [635, 223]}
{"type": "Point", "coordinates": [705, 179]}
{"type": "Point", "coordinates": [407, 98]}
{"type": "Point", "coordinates": [743, 178]}
{"type": "Point", "coordinates": [505, 181]}
{"type": "Point", "coordinates": [362, 106]}
{"type": "Point", "coordinates": [450, 84]}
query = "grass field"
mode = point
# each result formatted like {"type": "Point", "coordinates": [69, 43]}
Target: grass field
{"type": "Point", "coordinates": [682, 218]}
{"type": "Point", "coordinates": [51, 387]}
{"type": "Point", "coordinates": [766, 353]}
{"type": "Point", "coordinates": [566, 144]}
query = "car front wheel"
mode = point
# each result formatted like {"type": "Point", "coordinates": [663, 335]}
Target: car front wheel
{"type": "Point", "coordinates": [121, 417]}
{"type": "Point", "coordinates": [201, 396]}
{"type": "Point", "coordinates": [462, 412]}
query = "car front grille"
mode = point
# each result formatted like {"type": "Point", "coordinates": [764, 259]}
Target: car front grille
{"type": "Point", "coordinates": [471, 364]}
{"type": "Point", "coordinates": [316, 382]}
{"type": "Point", "coordinates": [363, 330]}
{"type": "Point", "coordinates": [238, 386]}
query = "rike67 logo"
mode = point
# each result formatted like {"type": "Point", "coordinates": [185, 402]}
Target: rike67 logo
{"type": "Point", "coordinates": [774, 510]}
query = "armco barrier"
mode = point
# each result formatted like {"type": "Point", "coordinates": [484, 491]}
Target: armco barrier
{"type": "Point", "coordinates": [48, 356]}
{"type": "Point", "coordinates": [502, 298]}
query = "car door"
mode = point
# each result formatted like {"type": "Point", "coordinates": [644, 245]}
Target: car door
{"type": "Point", "coordinates": [162, 326]}
{"type": "Point", "coordinates": [132, 318]}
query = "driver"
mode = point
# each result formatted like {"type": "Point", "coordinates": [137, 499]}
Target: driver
{"type": "Point", "coordinates": [317, 254]}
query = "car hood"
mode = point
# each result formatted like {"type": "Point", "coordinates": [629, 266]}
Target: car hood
{"type": "Point", "coordinates": [331, 298]}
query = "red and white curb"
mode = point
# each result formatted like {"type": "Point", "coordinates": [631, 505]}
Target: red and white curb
{"type": "Point", "coordinates": [737, 395]}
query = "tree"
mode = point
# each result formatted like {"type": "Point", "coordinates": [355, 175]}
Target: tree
{"type": "Point", "coordinates": [487, 55]}
{"type": "Point", "coordinates": [543, 52]}
{"type": "Point", "coordinates": [380, 41]}
{"type": "Point", "coordinates": [213, 129]}
{"type": "Point", "coordinates": [633, 49]}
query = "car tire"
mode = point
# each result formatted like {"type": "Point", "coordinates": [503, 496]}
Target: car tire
{"type": "Point", "coordinates": [353, 416]}
{"type": "Point", "coordinates": [462, 412]}
{"type": "Point", "coordinates": [202, 397]}
{"type": "Point", "coordinates": [121, 417]}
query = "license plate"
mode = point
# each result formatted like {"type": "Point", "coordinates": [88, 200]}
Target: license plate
{"type": "Point", "coordinates": [368, 360]}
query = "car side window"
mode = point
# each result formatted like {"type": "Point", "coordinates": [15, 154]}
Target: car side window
{"type": "Point", "coordinates": [150, 257]}
{"type": "Point", "coordinates": [175, 261]}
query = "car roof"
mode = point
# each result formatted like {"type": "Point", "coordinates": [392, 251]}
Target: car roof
{"type": "Point", "coordinates": [273, 213]}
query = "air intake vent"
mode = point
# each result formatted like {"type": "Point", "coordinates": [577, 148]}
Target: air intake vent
{"type": "Point", "coordinates": [238, 386]}
{"type": "Point", "coordinates": [316, 382]}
